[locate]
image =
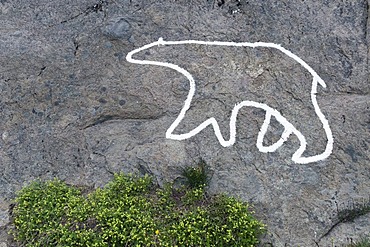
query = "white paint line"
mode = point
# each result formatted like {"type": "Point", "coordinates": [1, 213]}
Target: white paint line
{"type": "Point", "coordinates": [288, 127]}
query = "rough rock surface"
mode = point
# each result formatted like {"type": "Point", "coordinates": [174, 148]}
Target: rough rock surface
{"type": "Point", "coordinates": [72, 106]}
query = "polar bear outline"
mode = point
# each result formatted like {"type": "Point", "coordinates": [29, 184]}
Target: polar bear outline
{"type": "Point", "coordinates": [288, 127]}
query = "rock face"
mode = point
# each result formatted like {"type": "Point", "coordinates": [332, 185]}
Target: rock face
{"type": "Point", "coordinates": [73, 107]}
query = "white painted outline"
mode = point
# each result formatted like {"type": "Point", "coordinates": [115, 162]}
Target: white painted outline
{"type": "Point", "coordinates": [289, 128]}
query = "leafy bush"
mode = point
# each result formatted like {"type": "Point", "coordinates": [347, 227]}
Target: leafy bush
{"type": "Point", "coordinates": [196, 176]}
{"type": "Point", "coordinates": [130, 211]}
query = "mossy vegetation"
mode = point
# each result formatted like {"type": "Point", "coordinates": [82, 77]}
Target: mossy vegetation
{"type": "Point", "coordinates": [131, 211]}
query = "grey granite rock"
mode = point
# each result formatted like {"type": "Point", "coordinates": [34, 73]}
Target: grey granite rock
{"type": "Point", "coordinates": [118, 29]}
{"type": "Point", "coordinates": [72, 106]}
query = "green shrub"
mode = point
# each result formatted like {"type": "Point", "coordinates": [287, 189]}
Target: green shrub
{"type": "Point", "coordinates": [196, 176]}
{"type": "Point", "coordinates": [130, 211]}
{"type": "Point", "coordinates": [40, 212]}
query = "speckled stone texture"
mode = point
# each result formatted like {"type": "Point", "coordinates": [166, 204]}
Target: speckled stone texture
{"type": "Point", "coordinates": [72, 107]}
